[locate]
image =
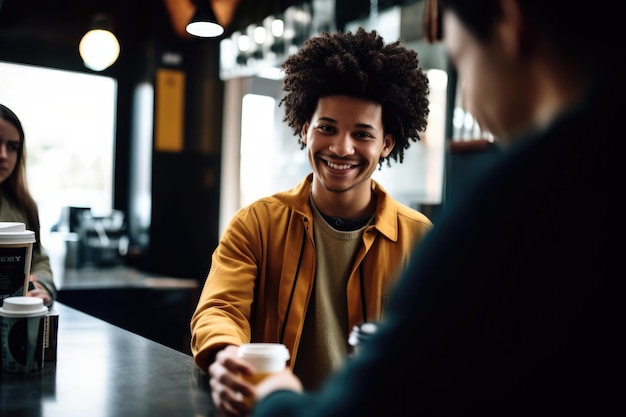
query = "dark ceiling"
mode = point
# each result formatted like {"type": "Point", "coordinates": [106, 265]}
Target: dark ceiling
{"type": "Point", "coordinates": [47, 32]}
{"type": "Point", "coordinates": [67, 20]}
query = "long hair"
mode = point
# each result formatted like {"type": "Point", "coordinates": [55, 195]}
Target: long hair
{"type": "Point", "coordinates": [15, 187]}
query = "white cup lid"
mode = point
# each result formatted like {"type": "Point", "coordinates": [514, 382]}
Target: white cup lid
{"type": "Point", "coordinates": [15, 233]}
{"type": "Point", "coordinates": [264, 350]}
{"type": "Point", "coordinates": [23, 306]}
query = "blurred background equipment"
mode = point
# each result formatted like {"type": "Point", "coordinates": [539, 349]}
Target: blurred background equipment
{"type": "Point", "coordinates": [90, 240]}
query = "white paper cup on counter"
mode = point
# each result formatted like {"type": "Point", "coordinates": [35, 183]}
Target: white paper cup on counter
{"type": "Point", "coordinates": [21, 334]}
{"type": "Point", "coordinates": [267, 359]}
{"type": "Point", "coordinates": [16, 251]}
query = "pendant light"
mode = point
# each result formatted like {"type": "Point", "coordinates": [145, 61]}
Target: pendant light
{"type": "Point", "coordinates": [99, 48]}
{"type": "Point", "coordinates": [204, 23]}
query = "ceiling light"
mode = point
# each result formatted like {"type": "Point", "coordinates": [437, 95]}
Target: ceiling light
{"type": "Point", "coordinates": [204, 23]}
{"type": "Point", "coordinates": [99, 48]}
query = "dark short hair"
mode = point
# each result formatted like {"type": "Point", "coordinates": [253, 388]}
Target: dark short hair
{"type": "Point", "coordinates": [580, 31]}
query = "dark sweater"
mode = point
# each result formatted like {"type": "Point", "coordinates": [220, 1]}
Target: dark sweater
{"type": "Point", "coordinates": [511, 306]}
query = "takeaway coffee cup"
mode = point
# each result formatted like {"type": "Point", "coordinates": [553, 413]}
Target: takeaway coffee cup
{"type": "Point", "coordinates": [16, 251]}
{"type": "Point", "coordinates": [267, 358]}
{"type": "Point", "coordinates": [21, 334]}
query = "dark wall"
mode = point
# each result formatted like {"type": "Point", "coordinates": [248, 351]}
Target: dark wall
{"type": "Point", "coordinates": [186, 183]}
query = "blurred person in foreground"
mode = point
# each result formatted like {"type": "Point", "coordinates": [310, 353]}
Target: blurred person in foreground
{"type": "Point", "coordinates": [510, 305]}
{"type": "Point", "coordinates": [17, 205]}
{"type": "Point", "coordinates": [303, 266]}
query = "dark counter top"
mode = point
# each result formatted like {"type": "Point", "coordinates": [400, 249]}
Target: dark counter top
{"type": "Point", "coordinates": [118, 277]}
{"type": "Point", "coordinates": [162, 314]}
{"type": "Point", "coordinates": [105, 371]}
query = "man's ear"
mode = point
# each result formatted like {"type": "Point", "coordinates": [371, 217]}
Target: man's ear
{"type": "Point", "coordinates": [303, 131]}
{"type": "Point", "coordinates": [388, 144]}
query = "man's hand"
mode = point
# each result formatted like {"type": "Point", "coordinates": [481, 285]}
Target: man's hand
{"type": "Point", "coordinates": [230, 392]}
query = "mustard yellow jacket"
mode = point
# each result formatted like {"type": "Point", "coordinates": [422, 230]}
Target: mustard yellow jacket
{"type": "Point", "coordinates": [262, 272]}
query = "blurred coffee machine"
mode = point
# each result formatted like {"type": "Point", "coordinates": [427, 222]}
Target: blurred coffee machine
{"type": "Point", "coordinates": [92, 240]}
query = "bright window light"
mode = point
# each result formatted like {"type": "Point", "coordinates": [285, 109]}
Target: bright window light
{"type": "Point", "coordinates": [69, 123]}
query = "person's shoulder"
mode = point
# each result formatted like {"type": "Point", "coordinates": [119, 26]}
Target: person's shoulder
{"type": "Point", "coordinates": [256, 216]}
{"type": "Point", "coordinates": [401, 210]}
{"type": "Point", "coordinates": [270, 202]}
{"type": "Point", "coordinates": [411, 214]}
{"type": "Point", "coordinates": [295, 198]}
{"type": "Point", "coordinates": [9, 212]}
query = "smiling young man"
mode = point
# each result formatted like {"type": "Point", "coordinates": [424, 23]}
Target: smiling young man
{"type": "Point", "coordinates": [303, 266]}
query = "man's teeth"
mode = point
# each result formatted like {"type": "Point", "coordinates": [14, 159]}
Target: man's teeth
{"type": "Point", "coordinates": [335, 166]}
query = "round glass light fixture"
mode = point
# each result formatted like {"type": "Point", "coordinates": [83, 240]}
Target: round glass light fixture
{"type": "Point", "coordinates": [99, 49]}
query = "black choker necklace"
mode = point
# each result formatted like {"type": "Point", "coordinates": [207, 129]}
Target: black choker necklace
{"type": "Point", "coordinates": [345, 224]}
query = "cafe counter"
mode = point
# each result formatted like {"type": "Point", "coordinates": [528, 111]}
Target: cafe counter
{"type": "Point", "coordinates": [105, 371]}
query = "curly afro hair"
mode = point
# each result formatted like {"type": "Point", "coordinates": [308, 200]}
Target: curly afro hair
{"type": "Point", "coordinates": [359, 65]}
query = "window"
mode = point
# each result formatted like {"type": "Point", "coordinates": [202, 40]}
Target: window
{"type": "Point", "coordinates": [69, 124]}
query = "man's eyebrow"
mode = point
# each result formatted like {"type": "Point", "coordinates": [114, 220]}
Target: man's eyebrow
{"type": "Point", "coordinates": [357, 125]}
{"type": "Point", "coordinates": [365, 126]}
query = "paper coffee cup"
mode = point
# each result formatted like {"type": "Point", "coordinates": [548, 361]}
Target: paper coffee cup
{"type": "Point", "coordinates": [21, 334]}
{"type": "Point", "coordinates": [16, 251]}
{"type": "Point", "coordinates": [267, 358]}
{"type": "Point", "coordinates": [50, 335]}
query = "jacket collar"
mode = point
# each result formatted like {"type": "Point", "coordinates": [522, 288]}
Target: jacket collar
{"type": "Point", "coordinates": [386, 218]}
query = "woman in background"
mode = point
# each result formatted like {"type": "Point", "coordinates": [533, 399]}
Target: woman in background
{"type": "Point", "coordinates": [17, 205]}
